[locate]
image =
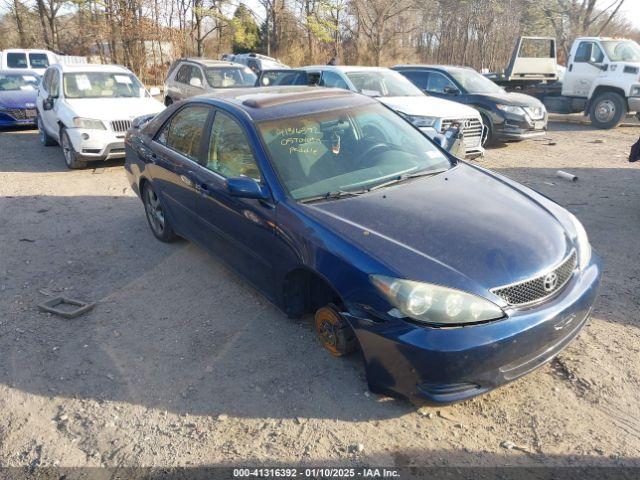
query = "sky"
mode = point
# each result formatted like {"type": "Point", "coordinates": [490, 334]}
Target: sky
{"type": "Point", "coordinates": [630, 10]}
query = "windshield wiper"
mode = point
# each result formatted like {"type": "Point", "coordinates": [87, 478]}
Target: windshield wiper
{"type": "Point", "coordinates": [404, 177]}
{"type": "Point", "coordinates": [333, 194]}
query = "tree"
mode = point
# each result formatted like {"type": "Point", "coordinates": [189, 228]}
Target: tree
{"type": "Point", "coordinates": [246, 33]}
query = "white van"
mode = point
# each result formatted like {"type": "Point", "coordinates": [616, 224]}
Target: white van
{"type": "Point", "coordinates": [27, 59]}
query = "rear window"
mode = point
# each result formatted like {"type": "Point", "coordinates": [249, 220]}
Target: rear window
{"type": "Point", "coordinates": [38, 60]}
{"type": "Point", "coordinates": [17, 60]}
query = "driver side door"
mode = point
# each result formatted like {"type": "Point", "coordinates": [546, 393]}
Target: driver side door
{"type": "Point", "coordinates": [583, 69]}
{"type": "Point", "coordinates": [50, 89]}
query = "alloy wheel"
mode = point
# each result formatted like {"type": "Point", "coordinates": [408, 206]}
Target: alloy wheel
{"type": "Point", "coordinates": [154, 211]}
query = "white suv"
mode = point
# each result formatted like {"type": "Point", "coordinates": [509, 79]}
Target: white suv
{"type": "Point", "coordinates": [87, 109]}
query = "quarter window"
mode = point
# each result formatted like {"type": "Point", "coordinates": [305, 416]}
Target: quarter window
{"type": "Point", "coordinates": [229, 151]}
{"type": "Point", "coordinates": [184, 74]}
{"type": "Point", "coordinates": [183, 133]}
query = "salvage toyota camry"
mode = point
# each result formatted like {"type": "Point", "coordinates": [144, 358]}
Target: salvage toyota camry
{"type": "Point", "coordinates": [451, 279]}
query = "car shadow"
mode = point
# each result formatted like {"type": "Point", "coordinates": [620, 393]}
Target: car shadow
{"type": "Point", "coordinates": [175, 329]}
{"type": "Point", "coordinates": [16, 140]}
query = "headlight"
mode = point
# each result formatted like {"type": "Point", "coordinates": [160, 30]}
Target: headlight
{"type": "Point", "coordinates": [635, 91]}
{"type": "Point", "coordinates": [511, 109]}
{"type": "Point", "coordinates": [88, 123]}
{"type": "Point", "coordinates": [434, 304]}
{"type": "Point", "coordinates": [582, 242]}
{"type": "Point", "coordinates": [420, 121]}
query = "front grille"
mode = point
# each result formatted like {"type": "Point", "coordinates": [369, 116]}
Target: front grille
{"type": "Point", "coordinates": [535, 113]}
{"type": "Point", "coordinates": [120, 125]}
{"type": "Point", "coordinates": [471, 128]}
{"type": "Point", "coordinates": [541, 287]}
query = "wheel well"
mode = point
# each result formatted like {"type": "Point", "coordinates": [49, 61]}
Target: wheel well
{"type": "Point", "coordinates": [305, 291]}
{"type": "Point", "coordinates": [604, 89]}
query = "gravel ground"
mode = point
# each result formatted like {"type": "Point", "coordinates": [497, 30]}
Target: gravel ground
{"type": "Point", "coordinates": [182, 363]}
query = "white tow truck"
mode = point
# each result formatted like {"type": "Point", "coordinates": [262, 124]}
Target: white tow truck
{"type": "Point", "coordinates": [602, 77]}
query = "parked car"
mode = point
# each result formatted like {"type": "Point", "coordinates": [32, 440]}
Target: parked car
{"type": "Point", "coordinates": [451, 279]}
{"type": "Point", "coordinates": [88, 108]}
{"type": "Point", "coordinates": [507, 116]}
{"type": "Point", "coordinates": [258, 62]}
{"type": "Point", "coordinates": [18, 90]}
{"type": "Point", "coordinates": [32, 59]}
{"type": "Point", "coordinates": [195, 76]}
{"type": "Point", "coordinates": [432, 115]}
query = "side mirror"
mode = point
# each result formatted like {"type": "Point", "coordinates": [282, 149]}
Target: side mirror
{"type": "Point", "coordinates": [47, 103]}
{"type": "Point", "coordinates": [154, 91]}
{"type": "Point", "coordinates": [451, 91]}
{"type": "Point", "coordinates": [245, 187]}
{"type": "Point", "coordinates": [195, 82]}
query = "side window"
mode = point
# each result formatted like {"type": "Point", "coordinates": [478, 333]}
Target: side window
{"type": "Point", "coordinates": [46, 80]}
{"type": "Point", "coordinates": [17, 60]}
{"type": "Point", "coordinates": [332, 79]}
{"type": "Point", "coordinates": [229, 151]}
{"type": "Point", "coordinates": [314, 78]}
{"type": "Point", "coordinates": [419, 79]}
{"type": "Point", "coordinates": [589, 52]}
{"type": "Point", "coordinates": [196, 73]}
{"type": "Point", "coordinates": [38, 60]}
{"type": "Point", "coordinates": [438, 83]}
{"type": "Point", "coordinates": [184, 74]}
{"type": "Point", "coordinates": [183, 132]}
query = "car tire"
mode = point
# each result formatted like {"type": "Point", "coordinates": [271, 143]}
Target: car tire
{"type": "Point", "coordinates": [168, 101]}
{"type": "Point", "coordinates": [335, 334]}
{"type": "Point", "coordinates": [607, 110]}
{"type": "Point", "coordinates": [156, 217]}
{"type": "Point", "coordinates": [71, 157]}
{"type": "Point", "coordinates": [45, 139]}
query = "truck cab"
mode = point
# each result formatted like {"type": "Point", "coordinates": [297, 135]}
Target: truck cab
{"type": "Point", "coordinates": [606, 73]}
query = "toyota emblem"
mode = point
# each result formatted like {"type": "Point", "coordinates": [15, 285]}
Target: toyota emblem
{"type": "Point", "coordinates": [550, 282]}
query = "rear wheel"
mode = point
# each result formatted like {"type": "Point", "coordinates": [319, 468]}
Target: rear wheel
{"type": "Point", "coordinates": [45, 139]}
{"type": "Point", "coordinates": [334, 332]}
{"type": "Point", "coordinates": [607, 110]}
{"type": "Point", "coordinates": [158, 221]}
{"type": "Point", "coordinates": [71, 157]}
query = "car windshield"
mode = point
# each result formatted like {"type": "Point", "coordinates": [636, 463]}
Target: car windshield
{"type": "Point", "coordinates": [271, 78]}
{"type": "Point", "coordinates": [473, 82]}
{"type": "Point", "coordinates": [230, 77]}
{"type": "Point", "coordinates": [347, 150]}
{"type": "Point", "coordinates": [383, 83]}
{"type": "Point", "coordinates": [102, 85]}
{"type": "Point", "coordinates": [14, 81]}
{"type": "Point", "coordinates": [622, 51]}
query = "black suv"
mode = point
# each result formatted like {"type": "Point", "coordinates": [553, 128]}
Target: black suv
{"type": "Point", "coordinates": [507, 115]}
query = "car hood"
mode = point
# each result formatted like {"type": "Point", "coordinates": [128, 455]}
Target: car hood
{"type": "Point", "coordinates": [18, 99]}
{"type": "Point", "coordinates": [429, 106]}
{"type": "Point", "coordinates": [463, 228]}
{"type": "Point", "coordinates": [114, 108]}
{"type": "Point", "coordinates": [510, 98]}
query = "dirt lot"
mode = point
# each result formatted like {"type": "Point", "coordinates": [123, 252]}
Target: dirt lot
{"type": "Point", "coordinates": [181, 363]}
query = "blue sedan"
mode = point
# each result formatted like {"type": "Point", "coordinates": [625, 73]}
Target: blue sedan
{"type": "Point", "coordinates": [449, 278]}
{"type": "Point", "coordinates": [18, 91]}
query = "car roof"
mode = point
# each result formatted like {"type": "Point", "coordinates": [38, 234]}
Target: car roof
{"type": "Point", "coordinates": [434, 67]}
{"type": "Point", "coordinates": [91, 67]}
{"type": "Point", "coordinates": [272, 103]}
{"type": "Point", "coordinates": [346, 68]}
{"type": "Point", "coordinates": [19, 71]}
{"type": "Point", "coordinates": [206, 62]}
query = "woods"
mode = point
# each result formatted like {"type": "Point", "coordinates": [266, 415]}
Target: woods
{"type": "Point", "coordinates": [145, 35]}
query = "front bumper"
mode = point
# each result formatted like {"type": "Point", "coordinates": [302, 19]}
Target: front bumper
{"type": "Point", "coordinates": [517, 127]}
{"type": "Point", "coordinates": [473, 146]}
{"type": "Point", "coordinates": [444, 365]}
{"type": "Point", "coordinates": [7, 120]}
{"type": "Point", "coordinates": [634, 104]}
{"type": "Point", "coordinates": [95, 145]}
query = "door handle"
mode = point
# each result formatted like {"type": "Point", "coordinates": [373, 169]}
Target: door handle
{"type": "Point", "coordinates": [570, 66]}
{"type": "Point", "coordinates": [186, 180]}
{"type": "Point", "coordinates": [202, 187]}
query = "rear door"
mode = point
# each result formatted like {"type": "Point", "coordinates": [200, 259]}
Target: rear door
{"type": "Point", "coordinates": [583, 69]}
{"type": "Point", "coordinates": [175, 152]}
{"type": "Point", "coordinates": [178, 87]}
